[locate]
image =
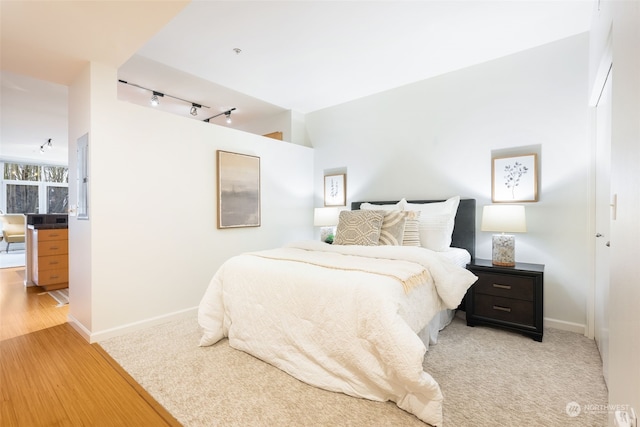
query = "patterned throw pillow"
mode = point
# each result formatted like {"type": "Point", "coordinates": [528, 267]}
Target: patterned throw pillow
{"type": "Point", "coordinates": [392, 230]}
{"type": "Point", "coordinates": [412, 229]}
{"type": "Point", "coordinates": [360, 227]}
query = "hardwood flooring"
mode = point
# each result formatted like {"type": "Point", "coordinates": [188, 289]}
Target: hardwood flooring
{"type": "Point", "coordinates": [49, 375]}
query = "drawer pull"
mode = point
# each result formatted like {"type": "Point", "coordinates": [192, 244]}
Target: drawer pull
{"type": "Point", "coordinates": [495, 285]}
{"type": "Point", "coordinates": [53, 262]}
{"type": "Point", "coordinates": [497, 307]}
{"type": "Point", "coordinates": [55, 277]}
{"type": "Point", "coordinates": [54, 248]}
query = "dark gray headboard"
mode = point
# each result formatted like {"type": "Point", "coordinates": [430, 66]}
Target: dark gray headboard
{"type": "Point", "coordinates": [464, 230]}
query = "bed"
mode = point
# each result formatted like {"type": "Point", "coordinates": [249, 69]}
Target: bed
{"type": "Point", "coordinates": [348, 317]}
{"type": "Point", "coordinates": [461, 251]}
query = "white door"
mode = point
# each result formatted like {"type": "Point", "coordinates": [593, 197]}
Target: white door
{"type": "Point", "coordinates": [603, 212]}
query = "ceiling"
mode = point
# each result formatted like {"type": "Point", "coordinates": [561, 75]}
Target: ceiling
{"type": "Point", "coordinates": [294, 55]}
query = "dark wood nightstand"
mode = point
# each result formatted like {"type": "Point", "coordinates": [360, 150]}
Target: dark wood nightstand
{"type": "Point", "coordinates": [507, 297]}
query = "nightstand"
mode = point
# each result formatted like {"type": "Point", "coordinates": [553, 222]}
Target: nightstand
{"type": "Point", "coordinates": [507, 297]}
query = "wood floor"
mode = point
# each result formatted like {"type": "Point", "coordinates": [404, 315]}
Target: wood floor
{"type": "Point", "coordinates": [50, 376]}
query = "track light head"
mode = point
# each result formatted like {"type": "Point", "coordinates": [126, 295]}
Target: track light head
{"type": "Point", "coordinates": [226, 113]}
{"type": "Point", "coordinates": [154, 99]}
{"type": "Point", "coordinates": [48, 144]}
{"type": "Point", "coordinates": [194, 109]}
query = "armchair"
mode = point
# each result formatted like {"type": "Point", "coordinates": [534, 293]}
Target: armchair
{"type": "Point", "coordinates": [13, 228]}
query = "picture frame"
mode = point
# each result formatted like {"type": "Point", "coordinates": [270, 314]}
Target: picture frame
{"type": "Point", "coordinates": [238, 187]}
{"type": "Point", "coordinates": [335, 190]}
{"type": "Point", "coordinates": [514, 179]}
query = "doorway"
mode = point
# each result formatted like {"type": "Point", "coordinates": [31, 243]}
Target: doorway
{"type": "Point", "coordinates": [603, 216]}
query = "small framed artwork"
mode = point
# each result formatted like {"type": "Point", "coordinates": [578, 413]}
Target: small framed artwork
{"type": "Point", "coordinates": [335, 190]}
{"type": "Point", "coordinates": [514, 179]}
{"type": "Point", "coordinates": [238, 190]}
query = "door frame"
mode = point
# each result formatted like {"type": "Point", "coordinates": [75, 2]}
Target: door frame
{"type": "Point", "coordinates": [604, 69]}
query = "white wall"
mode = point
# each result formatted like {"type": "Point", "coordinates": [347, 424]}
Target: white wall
{"type": "Point", "coordinates": [290, 123]}
{"type": "Point", "coordinates": [151, 244]}
{"type": "Point", "coordinates": [621, 19]}
{"type": "Point", "coordinates": [434, 139]}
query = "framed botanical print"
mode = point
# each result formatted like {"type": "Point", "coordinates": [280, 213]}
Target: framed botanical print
{"type": "Point", "coordinates": [238, 190]}
{"type": "Point", "coordinates": [514, 179]}
{"type": "Point", "coordinates": [335, 190]}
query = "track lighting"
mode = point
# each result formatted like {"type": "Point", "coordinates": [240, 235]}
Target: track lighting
{"type": "Point", "coordinates": [155, 101]}
{"type": "Point", "coordinates": [226, 113]}
{"type": "Point", "coordinates": [48, 144]}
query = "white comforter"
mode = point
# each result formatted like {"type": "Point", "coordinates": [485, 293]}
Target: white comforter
{"type": "Point", "coordinates": [342, 329]}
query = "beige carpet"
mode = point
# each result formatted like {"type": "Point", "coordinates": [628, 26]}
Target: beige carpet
{"type": "Point", "coordinates": [488, 377]}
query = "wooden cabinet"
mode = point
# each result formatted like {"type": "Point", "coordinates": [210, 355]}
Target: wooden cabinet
{"type": "Point", "coordinates": [507, 297]}
{"type": "Point", "coordinates": [50, 257]}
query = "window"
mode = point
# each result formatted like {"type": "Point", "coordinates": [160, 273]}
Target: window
{"type": "Point", "coordinates": [34, 188]}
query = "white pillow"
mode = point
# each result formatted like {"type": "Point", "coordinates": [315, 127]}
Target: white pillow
{"type": "Point", "coordinates": [395, 207]}
{"type": "Point", "coordinates": [436, 222]}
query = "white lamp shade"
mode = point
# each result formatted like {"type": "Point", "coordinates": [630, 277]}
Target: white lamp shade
{"type": "Point", "coordinates": [504, 219]}
{"type": "Point", "coordinates": [325, 217]}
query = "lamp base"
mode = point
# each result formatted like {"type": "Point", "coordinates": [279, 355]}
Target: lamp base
{"type": "Point", "coordinates": [503, 250]}
{"type": "Point", "coordinates": [326, 233]}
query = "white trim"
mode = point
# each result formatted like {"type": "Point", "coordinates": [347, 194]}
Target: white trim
{"type": "Point", "coordinates": [565, 326]}
{"type": "Point", "coordinates": [79, 327]}
{"type": "Point", "coordinates": [601, 74]}
{"type": "Point", "coordinates": [93, 337]}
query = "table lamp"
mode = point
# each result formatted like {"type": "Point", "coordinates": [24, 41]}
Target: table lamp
{"type": "Point", "coordinates": [504, 219]}
{"type": "Point", "coordinates": [327, 218]}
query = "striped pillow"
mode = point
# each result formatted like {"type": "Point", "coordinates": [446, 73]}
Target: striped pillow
{"type": "Point", "coordinates": [412, 229]}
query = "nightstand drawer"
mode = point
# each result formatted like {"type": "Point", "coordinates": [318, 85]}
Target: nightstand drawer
{"type": "Point", "coordinates": [505, 309]}
{"type": "Point", "coordinates": [512, 286]}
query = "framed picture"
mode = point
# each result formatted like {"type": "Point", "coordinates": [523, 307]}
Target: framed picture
{"type": "Point", "coordinates": [335, 190]}
{"type": "Point", "coordinates": [238, 190]}
{"type": "Point", "coordinates": [514, 179]}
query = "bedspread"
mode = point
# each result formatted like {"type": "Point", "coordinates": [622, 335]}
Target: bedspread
{"type": "Point", "coordinates": [346, 330]}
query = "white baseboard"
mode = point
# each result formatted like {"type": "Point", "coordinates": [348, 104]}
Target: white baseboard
{"type": "Point", "coordinates": [93, 337]}
{"type": "Point", "coordinates": [79, 327]}
{"type": "Point", "coordinates": [565, 326]}
{"type": "Point", "coordinates": [548, 323]}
